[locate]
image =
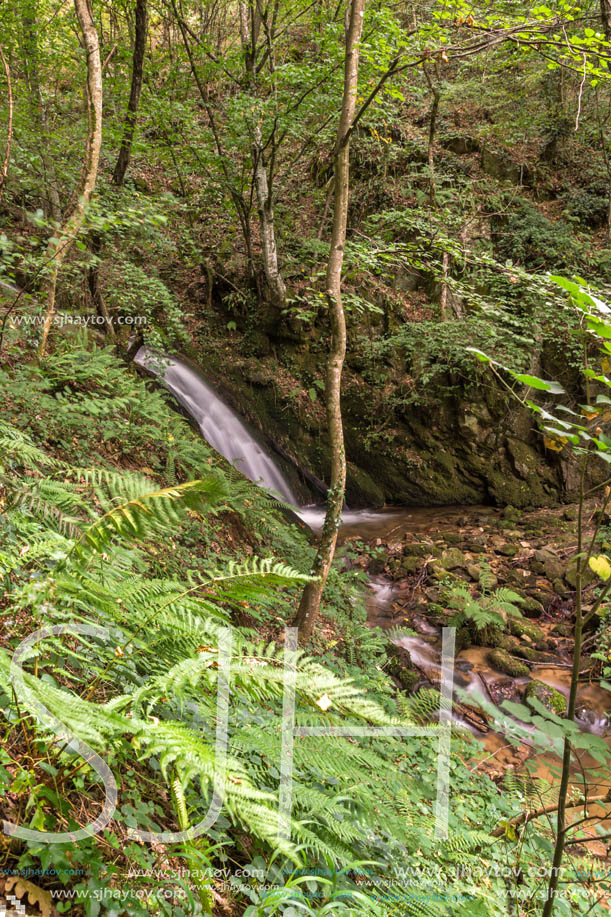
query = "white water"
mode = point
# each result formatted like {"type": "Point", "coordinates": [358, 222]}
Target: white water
{"type": "Point", "coordinates": [220, 426]}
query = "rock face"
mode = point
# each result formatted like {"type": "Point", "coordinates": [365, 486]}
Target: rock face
{"type": "Point", "coordinates": [476, 450]}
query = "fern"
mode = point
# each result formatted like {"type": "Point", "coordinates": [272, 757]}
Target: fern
{"type": "Point", "coordinates": [148, 512]}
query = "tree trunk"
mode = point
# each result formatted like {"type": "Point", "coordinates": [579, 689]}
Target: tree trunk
{"type": "Point", "coordinates": [265, 210]}
{"type": "Point", "coordinates": [9, 129]}
{"type": "Point", "coordinates": [431, 142]}
{"type": "Point", "coordinates": [51, 204]}
{"type": "Point", "coordinates": [605, 15]}
{"type": "Point", "coordinates": [118, 175]}
{"type": "Point", "coordinates": [312, 594]}
{"type": "Point", "coordinates": [60, 244]}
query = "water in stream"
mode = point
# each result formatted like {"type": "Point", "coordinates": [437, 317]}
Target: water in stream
{"type": "Point", "coordinates": [233, 438]}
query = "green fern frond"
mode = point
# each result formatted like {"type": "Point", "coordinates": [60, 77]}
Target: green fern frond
{"type": "Point", "coordinates": [145, 513]}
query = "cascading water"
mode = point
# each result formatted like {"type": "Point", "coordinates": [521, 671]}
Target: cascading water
{"type": "Point", "coordinates": [220, 426]}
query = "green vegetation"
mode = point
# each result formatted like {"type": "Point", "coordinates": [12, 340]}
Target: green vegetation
{"type": "Point", "coordinates": [382, 231]}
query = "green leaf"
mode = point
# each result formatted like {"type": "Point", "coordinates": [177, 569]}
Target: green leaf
{"type": "Point", "coordinates": [543, 385]}
{"type": "Point", "coordinates": [482, 357]}
{"type": "Point", "coordinates": [601, 566]}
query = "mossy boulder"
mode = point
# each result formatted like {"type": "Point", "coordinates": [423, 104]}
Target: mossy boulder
{"type": "Point", "coordinates": [452, 559]}
{"type": "Point", "coordinates": [361, 489]}
{"type": "Point", "coordinates": [527, 652]}
{"type": "Point", "coordinates": [521, 628]}
{"type": "Point", "coordinates": [501, 661]}
{"type": "Point", "coordinates": [507, 549]}
{"type": "Point", "coordinates": [587, 576]}
{"type": "Point", "coordinates": [489, 635]}
{"type": "Point", "coordinates": [529, 606]}
{"type": "Point", "coordinates": [399, 665]}
{"type": "Point", "coordinates": [511, 514]}
{"type": "Point", "coordinates": [421, 549]}
{"type": "Point", "coordinates": [548, 696]}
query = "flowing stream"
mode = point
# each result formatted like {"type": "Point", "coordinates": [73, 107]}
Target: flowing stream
{"type": "Point", "coordinates": [241, 445]}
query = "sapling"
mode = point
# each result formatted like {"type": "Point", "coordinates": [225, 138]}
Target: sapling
{"type": "Point", "coordinates": [580, 433]}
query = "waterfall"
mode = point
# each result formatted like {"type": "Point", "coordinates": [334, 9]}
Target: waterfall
{"type": "Point", "coordinates": [220, 426]}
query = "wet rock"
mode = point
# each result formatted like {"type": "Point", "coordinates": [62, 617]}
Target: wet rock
{"type": "Point", "coordinates": [530, 606]}
{"type": "Point", "coordinates": [452, 558]}
{"type": "Point", "coordinates": [553, 700]}
{"type": "Point", "coordinates": [421, 549]}
{"type": "Point", "coordinates": [511, 513]}
{"type": "Point", "coordinates": [507, 549]}
{"type": "Point", "coordinates": [521, 628]}
{"type": "Point", "coordinates": [527, 652]}
{"type": "Point", "coordinates": [501, 661]}
{"type": "Point", "coordinates": [587, 576]}
{"type": "Point", "coordinates": [593, 720]}
{"type": "Point", "coordinates": [564, 629]}
{"type": "Point", "coordinates": [399, 665]}
{"type": "Point", "coordinates": [548, 564]}
{"type": "Point", "coordinates": [452, 538]}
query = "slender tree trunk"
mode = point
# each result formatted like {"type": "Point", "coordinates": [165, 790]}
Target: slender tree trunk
{"type": "Point", "coordinates": [51, 204]}
{"type": "Point", "coordinates": [605, 15]}
{"type": "Point", "coordinates": [9, 129]}
{"type": "Point", "coordinates": [265, 210]}
{"type": "Point", "coordinates": [60, 244]}
{"type": "Point", "coordinates": [432, 127]}
{"type": "Point", "coordinates": [118, 176]}
{"type": "Point", "coordinates": [312, 594]}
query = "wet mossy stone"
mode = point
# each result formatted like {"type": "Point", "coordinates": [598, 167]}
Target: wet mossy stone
{"type": "Point", "coordinates": [489, 635]}
{"type": "Point", "coordinates": [452, 558]}
{"type": "Point", "coordinates": [509, 643]}
{"type": "Point", "coordinates": [502, 662]}
{"type": "Point", "coordinates": [521, 628]}
{"type": "Point", "coordinates": [511, 513]}
{"type": "Point", "coordinates": [563, 629]}
{"type": "Point", "coordinates": [530, 606]}
{"type": "Point", "coordinates": [587, 576]}
{"type": "Point", "coordinates": [361, 489]}
{"type": "Point", "coordinates": [421, 549]}
{"type": "Point", "coordinates": [507, 550]}
{"type": "Point", "coordinates": [549, 697]}
{"type": "Point", "coordinates": [527, 652]}
{"type": "Point", "coordinates": [399, 665]}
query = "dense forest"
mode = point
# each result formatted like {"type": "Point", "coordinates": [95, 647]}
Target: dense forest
{"type": "Point", "coordinates": [305, 498]}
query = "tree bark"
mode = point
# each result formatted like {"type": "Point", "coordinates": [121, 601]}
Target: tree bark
{"type": "Point", "coordinates": [265, 210]}
{"type": "Point", "coordinates": [129, 128]}
{"type": "Point", "coordinates": [310, 600]}
{"type": "Point", "coordinates": [60, 244]}
{"type": "Point", "coordinates": [51, 204]}
{"type": "Point", "coordinates": [605, 15]}
{"type": "Point", "coordinates": [9, 129]}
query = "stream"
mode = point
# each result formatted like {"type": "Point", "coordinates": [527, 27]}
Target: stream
{"type": "Point", "coordinates": [241, 445]}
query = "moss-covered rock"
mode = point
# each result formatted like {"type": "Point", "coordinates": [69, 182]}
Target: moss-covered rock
{"type": "Point", "coordinates": [587, 575]}
{"type": "Point", "coordinates": [527, 652]}
{"type": "Point", "coordinates": [399, 665]}
{"type": "Point", "coordinates": [521, 628]}
{"type": "Point", "coordinates": [507, 549]}
{"type": "Point", "coordinates": [489, 635]}
{"type": "Point", "coordinates": [529, 606]}
{"type": "Point", "coordinates": [502, 662]}
{"type": "Point", "coordinates": [548, 696]}
{"type": "Point", "coordinates": [452, 559]}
